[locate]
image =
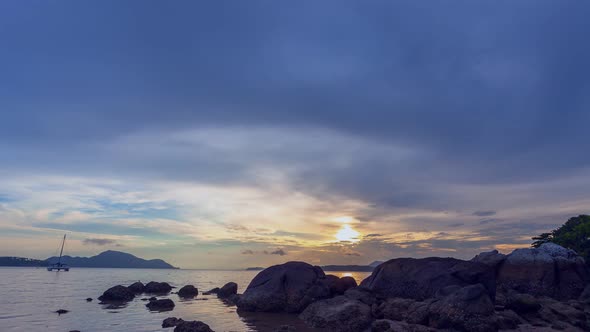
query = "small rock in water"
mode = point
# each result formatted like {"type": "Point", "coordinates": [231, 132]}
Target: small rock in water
{"type": "Point", "coordinates": [136, 287]}
{"type": "Point", "coordinates": [89, 299]}
{"type": "Point", "coordinates": [157, 287]}
{"type": "Point", "coordinates": [74, 330]}
{"type": "Point", "coordinates": [152, 299]}
{"type": "Point", "coordinates": [188, 291]}
{"type": "Point", "coordinates": [212, 291]}
{"type": "Point", "coordinates": [171, 322]}
{"type": "Point", "coordinates": [229, 289]}
{"type": "Point", "coordinates": [62, 311]}
{"type": "Point", "coordinates": [117, 294]}
{"type": "Point", "coordinates": [161, 305]}
{"type": "Point", "coordinates": [192, 326]}
{"type": "Point", "coordinates": [144, 299]}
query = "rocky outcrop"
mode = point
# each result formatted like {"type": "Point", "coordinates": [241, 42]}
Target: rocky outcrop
{"type": "Point", "coordinates": [287, 287]}
{"type": "Point", "coordinates": [491, 258]}
{"type": "Point", "coordinates": [229, 289]}
{"type": "Point", "coordinates": [338, 286]}
{"type": "Point", "coordinates": [192, 326]}
{"type": "Point", "coordinates": [549, 270]}
{"type": "Point", "coordinates": [338, 314]}
{"type": "Point", "coordinates": [117, 294]}
{"type": "Point", "coordinates": [420, 279]}
{"type": "Point", "coordinates": [160, 305]}
{"type": "Point", "coordinates": [188, 291]}
{"type": "Point", "coordinates": [171, 322]}
{"type": "Point", "coordinates": [157, 287]}
{"type": "Point", "coordinates": [137, 287]}
{"type": "Point", "coordinates": [386, 325]}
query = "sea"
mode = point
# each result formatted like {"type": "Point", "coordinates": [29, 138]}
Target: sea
{"type": "Point", "coordinates": [30, 297]}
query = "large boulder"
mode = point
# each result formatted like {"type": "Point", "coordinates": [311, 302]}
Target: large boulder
{"type": "Point", "coordinates": [491, 258]}
{"type": "Point", "coordinates": [137, 287]}
{"type": "Point", "coordinates": [420, 279]}
{"type": "Point", "coordinates": [192, 326]}
{"type": "Point", "coordinates": [188, 291]}
{"type": "Point", "coordinates": [229, 289]}
{"type": "Point", "coordinates": [282, 288]}
{"type": "Point", "coordinates": [340, 285]}
{"type": "Point", "coordinates": [157, 287]}
{"type": "Point", "coordinates": [171, 322]}
{"type": "Point", "coordinates": [549, 270]}
{"type": "Point", "coordinates": [339, 314]}
{"type": "Point", "coordinates": [117, 294]}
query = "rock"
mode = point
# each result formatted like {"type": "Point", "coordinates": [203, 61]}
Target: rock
{"type": "Point", "coordinates": [144, 299]}
{"type": "Point", "coordinates": [61, 311]}
{"type": "Point", "coordinates": [192, 326]}
{"type": "Point", "coordinates": [212, 291]}
{"type": "Point", "coordinates": [171, 322]}
{"type": "Point", "coordinates": [157, 287]}
{"type": "Point", "coordinates": [117, 294]}
{"type": "Point", "coordinates": [341, 285]}
{"type": "Point", "coordinates": [229, 289]}
{"type": "Point", "coordinates": [522, 303]}
{"type": "Point", "coordinates": [420, 279]}
{"type": "Point", "coordinates": [136, 287]}
{"type": "Point", "coordinates": [553, 311]}
{"type": "Point", "coordinates": [385, 325]}
{"type": "Point", "coordinates": [153, 298]}
{"type": "Point", "coordinates": [281, 288]}
{"type": "Point", "coordinates": [285, 328]}
{"type": "Point", "coordinates": [507, 320]}
{"type": "Point", "coordinates": [338, 314]}
{"type": "Point", "coordinates": [549, 270]}
{"type": "Point", "coordinates": [160, 305]}
{"type": "Point", "coordinates": [188, 291]}
{"type": "Point", "coordinates": [361, 294]}
{"type": "Point", "coordinates": [89, 299]}
{"type": "Point", "coordinates": [585, 296]}
{"type": "Point", "coordinates": [491, 258]}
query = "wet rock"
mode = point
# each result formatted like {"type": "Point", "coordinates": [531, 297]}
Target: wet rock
{"type": "Point", "coordinates": [117, 294]}
{"type": "Point", "coordinates": [585, 296]}
{"type": "Point", "coordinates": [188, 291]}
{"type": "Point", "coordinates": [420, 279]}
{"type": "Point", "coordinates": [285, 328]}
{"type": "Point", "coordinates": [281, 288]}
{"type": "Point", "coordinates": [508, 320]}
{"type": "Point", "coordinates": [212, 291]}
{"type": "Point", "coordinates": [171, 322]}
{"type": "Point", "coordinates": [192, 326]}
{"type": "Point", "coordinates": [61, 311]}
{"type": "Point", "coordinates": [157, 287]}
{"type": "Point", "coordinates": [338, 314]}
{"type": "Point", "coordinates": [229, 289]}
{"type": "Point", "coordinates": [361, 294]}
{"type": "Point", "coordinates": [549, 270]}
{"type": "Point", "coordinates": [341, 285]}
{"type": "Point", "coordinates": [160, 305]}
{"type": "Point", "coordinates": [153, 298]}
{"type": "Point", "coordinates": [144, 299]}
{"type": "Point", "coordinates": [137, 287]}
{"type": "Point", "coordinates": [385, 325]}
{"type": "Point", "coordinates": [89, 299]}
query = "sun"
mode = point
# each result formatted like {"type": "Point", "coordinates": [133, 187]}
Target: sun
{"type": "Point", "coordinates": [346, 233]}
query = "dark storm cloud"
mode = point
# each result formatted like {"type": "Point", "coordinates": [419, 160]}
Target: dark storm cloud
{"type": "Point", "coordinates": [279, 252]}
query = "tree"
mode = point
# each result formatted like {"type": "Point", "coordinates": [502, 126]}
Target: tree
{"type": "Point", "coordinates": [574, 234]}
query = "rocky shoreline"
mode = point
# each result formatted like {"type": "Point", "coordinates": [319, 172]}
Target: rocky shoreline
{"type": "Point", "coordinates": [537, 289]}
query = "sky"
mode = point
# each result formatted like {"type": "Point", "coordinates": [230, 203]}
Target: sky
{"type": "Point", "coordinates": [228, 134]}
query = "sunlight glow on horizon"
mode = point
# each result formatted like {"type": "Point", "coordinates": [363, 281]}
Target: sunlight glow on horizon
{"type": "Point", "coordinates": [346, 233]}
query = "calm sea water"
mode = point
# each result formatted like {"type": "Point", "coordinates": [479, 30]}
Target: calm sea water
{"type": "Point", "coordinates": [29, 298]}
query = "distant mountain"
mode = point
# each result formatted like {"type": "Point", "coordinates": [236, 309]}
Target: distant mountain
{"type": "Point", "coordinates": [107, 259]}
{"type": "Point", "coordinates": [20, 261]}
{"type": "Point", "coordinates": [112, 259]}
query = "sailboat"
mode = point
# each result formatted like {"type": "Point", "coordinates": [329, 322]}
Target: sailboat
{"type": "Point", "coordinates": [59, 266]}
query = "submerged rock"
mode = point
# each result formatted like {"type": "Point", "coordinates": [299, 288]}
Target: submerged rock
{"type": "Point", "coordinates": [171, 322]}
{"type": "Point", "coordinates": [157, 287]}
{"type": "Point", "coordinates": [549, 270]}
{"type": "Point", "coordinates": [117, 294]}
{"type": "Point", "coordinates": [160, 305]}
{"type": "Point", "coordinates": [192, 326]}
{"type": "Point", "coordinates": [420, 279]}
{"type": "Point", "coordinates": [89, 299]}
{"type": "Point", "coordinates": [338, 314]}
{"type": "Point", "coordinates": [61, 311]}
{"type": "Point", "coordinates": [212, 291]}
{"type": "Point", "coordinates": [188, 291]}
{"type": "Point", "coordinates": [281, 288]}
{"type": "Point", "coordinates": [137, 287]}
{"type": "Point", "coordinates": [229, 289]}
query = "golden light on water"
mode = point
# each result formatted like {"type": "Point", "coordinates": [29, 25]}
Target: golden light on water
{"type": "Point", "coordinates": [346, 233]}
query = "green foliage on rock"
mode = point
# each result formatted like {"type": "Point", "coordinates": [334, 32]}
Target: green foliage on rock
{"type": "Point", "coordinates": [574, 234]}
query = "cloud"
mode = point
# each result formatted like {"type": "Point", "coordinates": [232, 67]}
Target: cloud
{"type": "Point", "coordinates": [100, 242]}
{"type": "Point", "coordinates": [279, 252]}
{"type": "Point", "coordinates": [484, 213]}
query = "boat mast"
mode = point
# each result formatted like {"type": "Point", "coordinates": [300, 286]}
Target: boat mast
{"type": "Point", "coordinates": [62, 250]}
